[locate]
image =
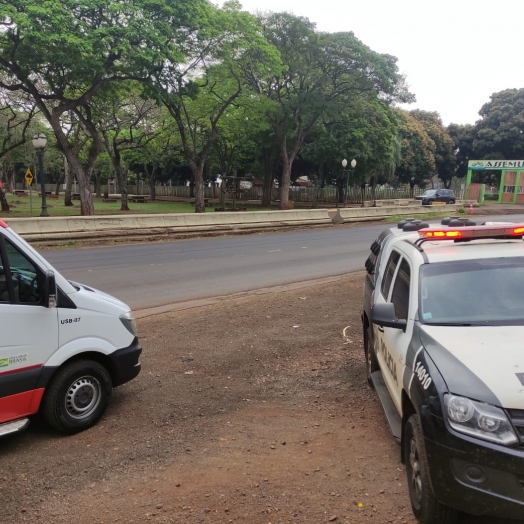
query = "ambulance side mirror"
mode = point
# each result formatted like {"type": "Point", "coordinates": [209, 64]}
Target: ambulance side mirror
{"type": "Point", "coordinates": [50, 289]}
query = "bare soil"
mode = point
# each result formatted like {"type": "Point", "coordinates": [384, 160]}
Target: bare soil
{"type": "Point", "coordinates": [253, 410]}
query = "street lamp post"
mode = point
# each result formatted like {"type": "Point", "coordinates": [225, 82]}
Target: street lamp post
{"type": "Point", "coordinates": [344, 165]}
{"type": "Point", "coordinates": [39, 143]}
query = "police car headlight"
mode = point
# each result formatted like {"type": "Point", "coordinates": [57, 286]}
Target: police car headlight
{"type": "Point", "coordinates": [129, 323]}
{"type": "Point", "coordinates": [479, 420]}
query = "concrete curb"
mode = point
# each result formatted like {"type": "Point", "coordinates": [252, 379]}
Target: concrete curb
{"type": "Point", "coordinates": [65, 229]}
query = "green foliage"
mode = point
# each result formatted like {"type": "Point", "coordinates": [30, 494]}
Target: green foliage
{"type": "Point", "coordinates": [500, 131]}
{"type": "Point", "coordinates": [444, 151]}
{"type": "Point", "coordinates": [417, 150]}
{"type": "Point", "coordinates": [322, 76]}
{"type": "Point", "coordinates": [65, 52]}
{"type": "Point", "coordinates": [463, 138]}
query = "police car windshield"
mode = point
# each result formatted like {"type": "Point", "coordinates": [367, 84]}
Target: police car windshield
{"type": "Point", "coordinates": [473, 292]}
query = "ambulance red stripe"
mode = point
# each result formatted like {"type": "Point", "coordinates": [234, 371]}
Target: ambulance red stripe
{"type": "Point", "coordinates": [20, 405]}
{"type": "Point", "coordinates": [19, 370]}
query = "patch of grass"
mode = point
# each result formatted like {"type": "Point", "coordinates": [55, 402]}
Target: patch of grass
{"type": "Point", "coordinates": [21, 207]}
{"type": "Point", "coordinates": [425, 216]}
{"type": "Point", "coordinates": [73, 243]}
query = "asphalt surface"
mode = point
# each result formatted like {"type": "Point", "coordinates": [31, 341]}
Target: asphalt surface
{"type": "Point", "coordinates": [156, 274]}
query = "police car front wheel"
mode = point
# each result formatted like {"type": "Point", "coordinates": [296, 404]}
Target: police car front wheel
{"type": "Point", "coordinates": [77, 396]}
{"type": "Point", "coordinates": [425, 507]}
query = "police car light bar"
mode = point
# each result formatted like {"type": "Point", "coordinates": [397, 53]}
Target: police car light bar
{"type": "Point", "coordinates": [470, 233]}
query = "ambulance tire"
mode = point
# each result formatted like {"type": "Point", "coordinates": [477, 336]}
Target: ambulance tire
{"type": "Point", "coordinates": [425, 507]}
{"type": "Point", "coordinates": [77, 396]}
{"type": "Point", "coordinates": [371, 359]}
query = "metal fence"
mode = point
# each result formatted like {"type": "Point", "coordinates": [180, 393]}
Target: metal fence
{"type": "Point", "coordinates": [355, 195]}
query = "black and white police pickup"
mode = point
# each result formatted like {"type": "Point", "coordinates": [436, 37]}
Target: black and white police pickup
{"type": "Point", "coordinates": [443, 322]}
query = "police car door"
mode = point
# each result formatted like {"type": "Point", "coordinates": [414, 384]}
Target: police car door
{"type": "Point", "coordinates": [28, 332]}
{"type": "Point", "coordinates": [392, 344]}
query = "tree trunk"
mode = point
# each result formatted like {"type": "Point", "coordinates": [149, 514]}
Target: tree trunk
{"type": "Point", "coordinates": [373, 185]}
{"type": "Point", "coordinates": [223, 193]}
{"type": "Point", "coordinates": [286, 184]}
{"type": "Point", "coordinates": [152, 188]}
{"type": "Point", "coordinates": [86, 198]}
{"type": "Point", "coordinates": [3, 201]}
{"type": "Point", "coordinates": [268, 162]}
{"type": "Point", "coordinates": [320, 184]}
{"type": "Point", "coordinates": [340, 190]}
{"type": "Point", "coordinates": [57, 187]}
{"type": "Point", "coordinates": [98, 184]}
{"type": "Point", "coordinates": [69, 183]}
{"type": "Point", "coordinates": [10, 180]}
{"type": "Point", "coordinates": [267, 188]}
{"type": "Point", "coordinates": [198, 173]}
{"type": "Point", "coordinates": [83, 175]}
{"type": "Point", "coordinates": [121, 177]}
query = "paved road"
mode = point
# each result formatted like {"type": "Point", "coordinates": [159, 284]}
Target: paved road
{"type": "Point", "coordinates": [149, 275]}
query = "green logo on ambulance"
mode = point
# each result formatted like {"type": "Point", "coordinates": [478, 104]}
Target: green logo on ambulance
{"type": "Point", "coordinates": [4, 362]}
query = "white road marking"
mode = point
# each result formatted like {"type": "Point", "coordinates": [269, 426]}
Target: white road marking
{"type": "Point", "coordinates": [274, 250]}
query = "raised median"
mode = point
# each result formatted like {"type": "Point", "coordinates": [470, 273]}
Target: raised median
{"type": "Point", "coordinates": [117, 226]}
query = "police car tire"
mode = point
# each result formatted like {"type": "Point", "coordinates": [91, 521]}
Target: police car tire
{"type": "Point", "coordinates": [73, 376]}
{"type": "Point", "coordinates": [425, 507]}
{"type": "Point", "coordinates": [371, 359]}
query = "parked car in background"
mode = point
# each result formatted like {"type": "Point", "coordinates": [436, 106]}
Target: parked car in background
{"type": "Point", "coordinates": [437, 195]}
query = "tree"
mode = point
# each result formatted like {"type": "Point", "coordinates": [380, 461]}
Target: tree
{"type": "Point", "coordinates": [320, 70]}
{"type": "Point", "coordinates": [16, 114]}
{"type": "Point", "coordinates": [127, 121]}
{"type": "Point", "coordinates": [444, 154]}
{"type": "Point", "coordinates": [417, 151]}
{"type": "Point", "coordinates": [198, 93]}
{"type": "Point", "coordinates": [154, 154]}
{"type": "Point", "coordinates": [500, 130]}
{"type": "Point", "coordinates": [64, 53]}
{"type": "Point", "coordinates": [463, 137]}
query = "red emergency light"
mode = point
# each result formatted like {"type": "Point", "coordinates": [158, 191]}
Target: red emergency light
{"type": "Point", "coordinates": [473, 232]}
{"type": "Point", "coordinates": [3, 224]}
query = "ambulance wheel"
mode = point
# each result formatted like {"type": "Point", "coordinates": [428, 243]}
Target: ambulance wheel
{"type": "Point", "coordinates": [371, 359]}
{"type": "Point", "coordinates": [425, 507]}
{"type": "Point", "coordinates": [77, 396]}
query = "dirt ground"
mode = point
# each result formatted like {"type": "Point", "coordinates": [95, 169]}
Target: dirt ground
{"type": "Point", "coordinates": [253, 410]}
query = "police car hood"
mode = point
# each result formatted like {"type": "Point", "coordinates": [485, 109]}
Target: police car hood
{"type": "Point", "coordinates": [484, 363]}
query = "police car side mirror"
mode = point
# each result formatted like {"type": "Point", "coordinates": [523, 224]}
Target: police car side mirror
{"type": "Point", "coordinates": [49, 289]}
{"type": "Point", "coordinates": [384, 315]}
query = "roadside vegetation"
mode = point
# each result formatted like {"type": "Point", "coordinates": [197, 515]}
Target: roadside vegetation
{"type": "Point", "coordinates": [21, 207]}
{"type": "Point", "coordinates": [173, 92]}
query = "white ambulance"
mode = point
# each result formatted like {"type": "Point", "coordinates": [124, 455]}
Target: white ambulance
{"type": "Point", "coordinates": [63, 346]}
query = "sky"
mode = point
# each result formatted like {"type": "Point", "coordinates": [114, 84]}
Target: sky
{"type": "Point", "coordinates": [455, 53]}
